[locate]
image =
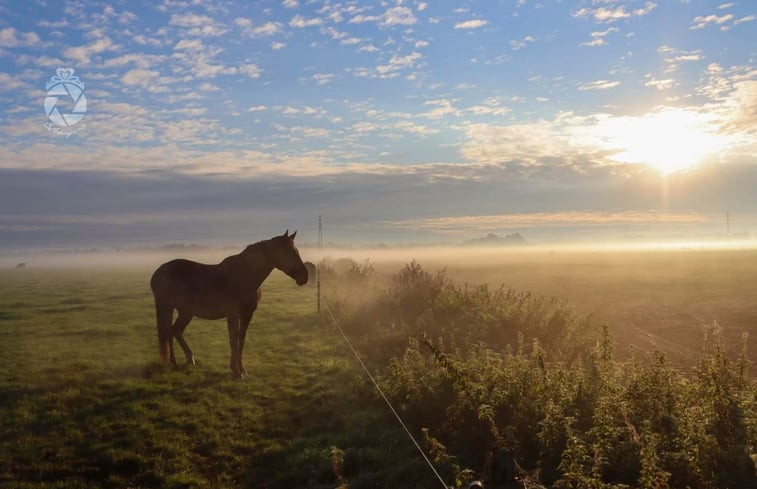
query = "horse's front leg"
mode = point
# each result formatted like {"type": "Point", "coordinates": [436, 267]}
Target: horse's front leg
{"type": "Point", "coordinates": [233, 326]}
{"type": "Point", "coordinates": [244, 323]}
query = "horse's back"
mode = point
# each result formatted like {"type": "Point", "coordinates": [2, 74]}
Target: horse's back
{"type": "Point", "coordinates": [185, 284]}
{"type": "Point", "coordinates": [180, 271]}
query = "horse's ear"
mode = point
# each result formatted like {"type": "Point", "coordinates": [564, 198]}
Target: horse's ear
{"type": "Point", "coordinates": [293, 235]}
{"type": "Point", "coordinates": [286, 233]}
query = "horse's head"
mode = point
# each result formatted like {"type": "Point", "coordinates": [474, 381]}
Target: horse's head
{"type": "Point", "coordinates": [286, 257]}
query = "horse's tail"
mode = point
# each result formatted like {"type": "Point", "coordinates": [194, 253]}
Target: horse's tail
{"type": "Point", "coordinates": [164, 315]}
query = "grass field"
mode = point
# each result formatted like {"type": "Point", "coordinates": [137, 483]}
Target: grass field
{"type": "Point", "coordinates": [85, 403]}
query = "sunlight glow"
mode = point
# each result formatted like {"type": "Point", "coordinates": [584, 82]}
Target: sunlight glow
{"type": "Point", "coordinates": [669, 141]}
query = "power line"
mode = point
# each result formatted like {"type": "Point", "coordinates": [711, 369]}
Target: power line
{"type": "Point", "coordinates": [386, 399]}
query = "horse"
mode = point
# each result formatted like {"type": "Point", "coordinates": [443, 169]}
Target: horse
{"type": "Point", "coordinates": [230, 289]}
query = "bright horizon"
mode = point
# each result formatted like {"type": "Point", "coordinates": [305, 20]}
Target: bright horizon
{"type": "Point", "coordinates": [400, 122]}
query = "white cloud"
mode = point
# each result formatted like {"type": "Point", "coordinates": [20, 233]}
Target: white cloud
{"type": "Point", "coordinates": [140, 77]}
{"type": "Point", "coordinates": [415, 128]}
{"type": "Point", "coordinates": [599, 85]}
{"type": "Point", "coordinates": [189, 44]}
{"type": "Point", "coordinates": [748, 18]}
{"type": "Point", "coordinates": [276, 45]}
{"type": "Point", "coordinates": [700, 22]}
{"type": "Point", "coordinates": [8, 82]}
{"type": "Point", "coordinates": [139, 60]}
{"type": "Point", "coordinates": [398, 16]}
{"type": "Point", "coordinates": [263, 30]}
{"type": "Point", "coordinates": [10, 38]}
{"type": "Point", "coordinates": [360, 19]}
{"type": "Point", "coordinates": [598, 37]}
{"type": "Point", "coordinates": [520, 44]}
{"type": "Point", "coordinates": [396, 63]}
{"type": "Point", "coordinates": [660, 84]}
{"type": "Point", "coordinates": [443, 107]}
{"type": "Point", "coordinates": [251, 70]}
{"type": "Point", "coordinates": [190, 20]}
{"type": "Point", "coordinates": [392, 16]}
{"type": "Point", "coordinates": [290, 4]}
{"type": "Point", "coordinates": [471, 24]}
{"type": "Point", "coordinates": [611, 14]}
{"type": "Point", "coordinates": [298, 21]}
{"type": "Point", "coordinates": [257, 108]}
{"type": "Point", "coordinates": [83, 54]}
{"type": "Point", "coordinates": [323, 78]}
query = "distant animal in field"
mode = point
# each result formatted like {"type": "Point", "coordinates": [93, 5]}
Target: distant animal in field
{"type": "Point", "coordinates": [21, 265]}
{"type": "Point", "coordinates": [312, 272]}
{"type": "Point", "coordinates": [230, 289]}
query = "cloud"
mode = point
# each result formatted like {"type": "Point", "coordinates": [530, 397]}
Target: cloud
{"type": "Point", "coordinates": [83, 54]}
{"type": "Point", "coordinates": [414, 128]}
{"type": "Point", "coordinates": [140, 60]}
{"type": "Point", "coordinates": [490, 106]}
{"type": "Point", "coordinates": [599, 85]}
{"type": "Point", "coordinates": [598, 37]}
{"type": "Point", "coordinates": [263, 30]}
{"type": "Point", "coordinates": [398, 16]}
{"type": "Point", "coordinates": [298, 22]}
{"type": "Point", "coordinates": [701, 22]}
{"type": "Point", "coordinates": [570, 218]}
{"type": "Point", "coordinates": [9, 82]}
{"type": "Point", "coordinates": [443, 108]}
{"type": "Point", "coordinates": [604, 15]}
{"type": "Point", "coordinates": [198, 25]}
{"type": "Point", "coordinates": [290, 4]}
{"type": "Point", "coordinates": [392, 16]}
{"type": "Point", "coordinates": [276, 45]}
{"type": "Point", "coordinates": [660, 84]}
{"type": "Point", "coordinates": [516, 45]}
{"type": "Point", "coordinates": [471, 24]}
{"type": "Point", "coordinates": [323, 78]}
{"type": "Point", "coordinates": [251, 70]}
{"type": "Point", "coordinates": [748, 18]}
{"type": "Point", "coordinates": [391, 69]}
{"type": "Point", "coordinates": [11, 38]}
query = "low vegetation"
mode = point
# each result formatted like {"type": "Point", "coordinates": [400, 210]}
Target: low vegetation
{"type": "Point", "coordinates": [494, 383]}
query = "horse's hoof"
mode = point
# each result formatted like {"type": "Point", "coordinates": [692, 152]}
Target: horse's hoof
{"type": "Point", "coordinates": [191, 360]}
{"type": "Point", "coordinates": [236, 376]}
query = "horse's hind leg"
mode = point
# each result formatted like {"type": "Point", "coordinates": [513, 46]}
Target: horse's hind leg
{"type": "Point", "coordinates": [233, 326]}
{"type": "Point", "coordinates": [178, 332]}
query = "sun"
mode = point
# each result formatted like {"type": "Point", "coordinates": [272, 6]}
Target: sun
{"type": "Point", "coordinates": [669, 141]}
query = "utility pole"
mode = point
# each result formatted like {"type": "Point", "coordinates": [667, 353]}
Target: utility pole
{"type": "Point", "coordinates": [320, 259]}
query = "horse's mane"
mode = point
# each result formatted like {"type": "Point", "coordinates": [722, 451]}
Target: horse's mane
{"type": "Point", "coordinates": [259, 244]}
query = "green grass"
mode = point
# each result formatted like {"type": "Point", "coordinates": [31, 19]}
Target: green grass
{"type": "Point", "coordinates": [84, 401]}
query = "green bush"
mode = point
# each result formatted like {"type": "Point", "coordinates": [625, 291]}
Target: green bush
{"type": "Point", "coordinates": [485, 372]}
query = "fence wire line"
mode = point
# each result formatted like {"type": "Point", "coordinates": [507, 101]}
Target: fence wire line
{"type": "Point", "coordinates": [386, 399]}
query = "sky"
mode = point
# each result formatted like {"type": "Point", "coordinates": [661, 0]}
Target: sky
{"type": "Point", "coordinates": [399, 121]}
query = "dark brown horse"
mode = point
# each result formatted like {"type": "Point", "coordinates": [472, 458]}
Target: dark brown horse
{"type": "Point", "coordinates": [230, 289]}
